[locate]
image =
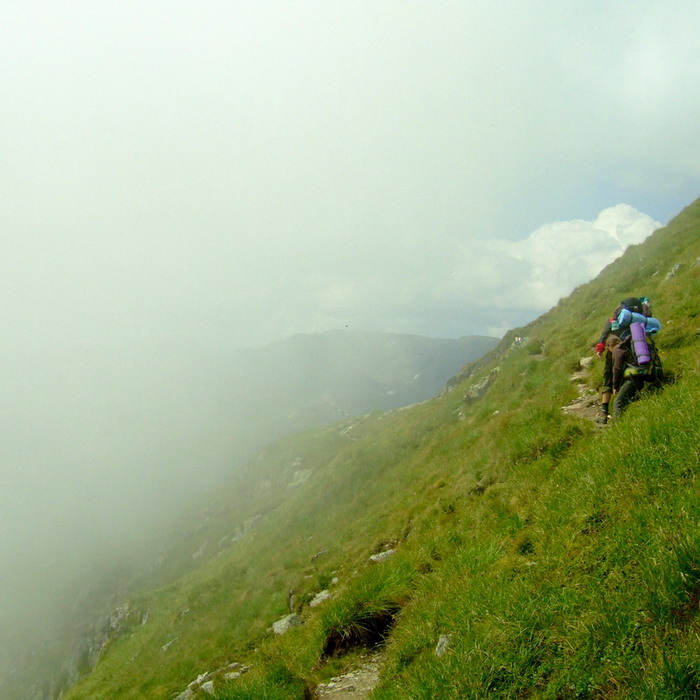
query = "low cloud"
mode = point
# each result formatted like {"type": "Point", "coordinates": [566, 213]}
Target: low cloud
{"type": "Point", "coordinates": [537, 271]}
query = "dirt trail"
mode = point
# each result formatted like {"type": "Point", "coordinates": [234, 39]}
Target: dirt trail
{"type": "Point", "coordinates": [354, 685]}
{"type": "Point", "coordinates": [587, 405]}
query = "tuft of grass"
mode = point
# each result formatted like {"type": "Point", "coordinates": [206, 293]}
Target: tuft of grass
{"type": "Point", "coordinates": [364, 616]}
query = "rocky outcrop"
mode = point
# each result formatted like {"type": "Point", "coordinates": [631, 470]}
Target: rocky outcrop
{"type": "Point", "coordinates": [382, 556]}
{"type": "Point", "coordinates": [673, 272]}
{"type": "Point", "coordinates": [442, 645]}
{"type": "Point", "coordinates": [300, 476]}
{"type": "Point", "coordinates": [319, 598]}
{"type": "Point", "coordinates": [209, 682]}
{"type": "Point", "coordinates": [284, 624]}
{"type": "Point", "coordinates": [90, 640]}
{"type": "Point", "coordinates": [587, 404]}
{"type": "Point", "coordinates": [476, 391]}
{"type": "Point", "coordinates": [358, 683]}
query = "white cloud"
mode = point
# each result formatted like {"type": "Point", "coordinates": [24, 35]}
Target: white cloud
{"type": "Point", "coordinates": [535, 272]}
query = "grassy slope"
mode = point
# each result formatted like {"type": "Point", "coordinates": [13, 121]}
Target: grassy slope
{"type": "Point", "coordinates": [561, 561]}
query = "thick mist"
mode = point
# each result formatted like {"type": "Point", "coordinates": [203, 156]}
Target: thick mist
{"type": "Point", "coordinates": [100, 443]}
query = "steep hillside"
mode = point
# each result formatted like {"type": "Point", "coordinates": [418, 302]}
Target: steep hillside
{"type": "Point", "coordinates": [484, 543]}
{"type": "Point", "coordinates": [163, 423]}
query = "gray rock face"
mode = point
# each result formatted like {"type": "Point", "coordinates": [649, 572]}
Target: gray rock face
{"type": "Point", "coordinates": [286, 623]}
{"type": "Point", "coordinates": [117, 619]}
{"type": "Point", "coordinates": [382, 556]}
{"type": "Point", "coordinates": [442, 645]}
{"type": "Point", "coordinates": [206, 682]}
{"type": "Point", "coordinates": [358, 683]}
{"type": "Point", "coordinates": [672, 273]}
{"type": "Point", "coordinates": [167, 646]}
{"type": "Point", "coordinates": [319, 598]}
{"type": "Point", "coordinates": [476, 391]}
{"type": "Point", "coordinates": [300, 476]}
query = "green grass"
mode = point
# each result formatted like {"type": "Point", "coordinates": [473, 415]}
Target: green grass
{"type": "Point", "coordinates": [562, 561]}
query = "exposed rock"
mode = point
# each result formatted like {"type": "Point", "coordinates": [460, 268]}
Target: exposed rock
{"type": "Point", "coordinates": [235, 671]}
{"type": "Point", "coordinates": [167, 646]}
{"type": "Point", "coordinates": [319, 598]}
{"type": "Point", "coordinates": [585, 406]}
{"type": "Point", "coordinates": [200, 552]}
{"type": "Point", "coordinates": [117, 619]}
{"type": "Point", "coordinates": [585, 362]}
{"type": "Point", "coordinates": [346, 431]}
{"type": "Point", "coordinates": [442, 645]}
{"type": "Point", "coordinates": [236, 666]}
{"type": "Point", "coordinates": [206, 682]}
{"type": "Point", "coordinates": [382, 556]}
{"type": "Point", "coordinates": [201, 678]}
{"type": "Point", "coordinates": [286, 623]}
{"type": "Point", "coordinates": [300, 477]}
{"type": "Point", "coordinates": [673, 271]}
{"type": "Point", "coordinates": [476, 391]}
{"type": "Point", "coordinates": [355, 684]}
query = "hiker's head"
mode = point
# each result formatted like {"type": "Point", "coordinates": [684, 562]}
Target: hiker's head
{"type": "Point", "coordinates": [612, 342]}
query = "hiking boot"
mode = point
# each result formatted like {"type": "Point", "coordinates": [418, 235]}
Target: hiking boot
{"type": "Point", "coordinates": [602, 418]}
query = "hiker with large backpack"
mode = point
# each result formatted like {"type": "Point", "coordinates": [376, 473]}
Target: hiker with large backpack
{"type": "Point", "coordinates": [635, 365]}
{"type": "Point", "coordinates": [631, 318]}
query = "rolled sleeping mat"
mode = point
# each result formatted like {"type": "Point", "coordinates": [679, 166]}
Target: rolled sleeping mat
{"type": "Point", "coordinates": [639, 341]}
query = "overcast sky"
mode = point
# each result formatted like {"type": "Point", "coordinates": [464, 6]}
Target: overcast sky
{"type": "Point", "coordinates": [240, 171]}
{"type": "Point", "coordinates": [233, 172]}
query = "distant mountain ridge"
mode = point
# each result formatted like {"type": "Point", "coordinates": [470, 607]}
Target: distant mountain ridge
{"type": "Point", "coordinates": [308, 380]}
{"type": "Point", "coordinates": [253, 396]}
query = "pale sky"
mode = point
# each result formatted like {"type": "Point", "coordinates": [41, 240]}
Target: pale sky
{"type": "Point", "coordinates": [241, 171]}
{"type": "Point", "coordinates": [230, 173]}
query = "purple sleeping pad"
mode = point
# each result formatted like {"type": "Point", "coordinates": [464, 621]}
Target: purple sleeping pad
{"type": "Point", "coordinates": [639, 340]}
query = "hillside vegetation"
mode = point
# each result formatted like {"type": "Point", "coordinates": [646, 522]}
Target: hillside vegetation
{"type": "Point", "coordinates": [552, 558]}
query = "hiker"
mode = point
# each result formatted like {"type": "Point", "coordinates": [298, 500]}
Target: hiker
{"type": "Point", "coordinates": [619, 323]}
{"type": "Point", "coordinates": [628, 377]}
{"type": "Point", "coordinates": [630, 353]}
